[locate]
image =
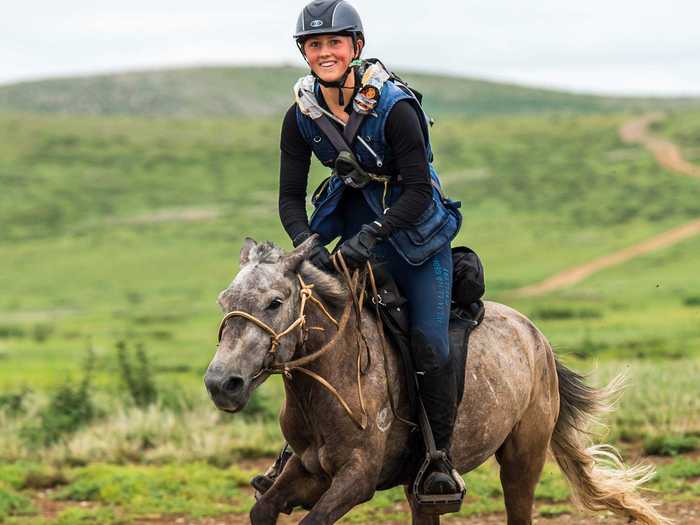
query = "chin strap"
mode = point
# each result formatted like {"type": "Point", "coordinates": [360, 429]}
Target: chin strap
{"type": "Point", "coordinates": [340, 84]}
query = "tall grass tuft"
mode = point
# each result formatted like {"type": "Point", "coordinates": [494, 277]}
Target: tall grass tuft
{"type": "Point", "coordinates": [69, 408]}
{"type": "Point", "coordinates": [137, 375]}
{"type": "Point", "coordinates": [13, 402]}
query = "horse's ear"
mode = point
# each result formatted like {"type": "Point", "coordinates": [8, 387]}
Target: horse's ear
{"type": "Point", "coordinates": [294, 258]}
{"type": "Point", "coordinates": [245, 250]}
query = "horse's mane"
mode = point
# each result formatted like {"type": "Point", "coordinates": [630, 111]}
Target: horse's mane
{"type": "Point", "coordinates": [327, 286]}
{"type": "Point", "coordinates": [265, 252]}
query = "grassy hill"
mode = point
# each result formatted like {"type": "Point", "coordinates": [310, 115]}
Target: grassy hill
{"type": "Point", "coordinates": [260, 91]}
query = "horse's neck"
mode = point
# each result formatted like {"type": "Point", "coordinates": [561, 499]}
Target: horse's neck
{"type": "Point", "coordinates": [342, 357]}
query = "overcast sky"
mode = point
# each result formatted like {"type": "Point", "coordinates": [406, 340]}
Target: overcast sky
{"type": "Point", "coordinates": [611, 46]}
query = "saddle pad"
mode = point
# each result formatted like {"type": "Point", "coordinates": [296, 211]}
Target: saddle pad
{"type": "Point", "coordinates": [462, 323]}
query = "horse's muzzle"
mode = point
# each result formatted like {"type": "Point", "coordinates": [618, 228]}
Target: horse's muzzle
{"type": "Point", "coordinates": [228, 392]}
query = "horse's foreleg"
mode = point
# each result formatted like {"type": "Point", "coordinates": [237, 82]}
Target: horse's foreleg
{"type": "Point", "coordinates": [355, 483]}
{"type": "Point", "coordinates": [294, 487]}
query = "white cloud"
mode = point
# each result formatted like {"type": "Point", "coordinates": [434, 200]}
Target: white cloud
{"type": "Point", "coordinates": [619, 45]}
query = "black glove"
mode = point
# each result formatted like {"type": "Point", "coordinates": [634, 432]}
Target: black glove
{"type": "Point", "coordinates": [319, 255]}
{"type": "Point", "coordinates": [320, 258]}
{"type": "Point", "coordinates": [358, 249]}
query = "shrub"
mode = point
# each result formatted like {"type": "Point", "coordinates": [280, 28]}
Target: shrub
{"type": "Point", "coordinates": [12, 402]}
{"type": "Point", "coordinates": [554, 313]}
{"type": "Point", "coordinates": [693, 300]}
{"type": "Point", "coordinates": [586, 348]}
{"type": "Point", "coordinates": [259, 407]}
{"type": "Point", "coordinates": [42, 332]}
{"type": "Point", "coordinates": [137, 376]}
{"type": "Point", "coordinates": [8, 331]}
{"type": "Point", "coordinates": [69, 409]}
{"type": "Point", "coordinates": [671, 445]}
{"type": "Point", "coordinates": [43, 478]}
{"type": "Point", "coordinates": [13, 504]}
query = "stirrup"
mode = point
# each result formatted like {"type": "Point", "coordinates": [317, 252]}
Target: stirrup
{"type": "Point", "coordinates": [437, 503]}
{"type": "Point", "coordinates": [434, 504]}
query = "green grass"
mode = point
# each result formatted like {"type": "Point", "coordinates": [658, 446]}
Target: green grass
{"type": "Point", "coordinates": [116, 494]}
{"type": "Point", "coordinates": [671, 445]}
{"type": "Point", "coordinates": [13, 504]}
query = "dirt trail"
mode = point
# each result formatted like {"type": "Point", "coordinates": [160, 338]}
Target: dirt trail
{"type": "Point", "coordinates": [666, 153]}
{"type": "Point", "coordinates": [669, 156]}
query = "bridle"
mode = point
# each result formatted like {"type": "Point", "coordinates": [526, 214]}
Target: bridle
{"type": "Point", "coordinates": [286, 368]}
{"type": "Point", "coordinates": [306, 294]}
{"type": "Point", "coordinates": [356, 286]}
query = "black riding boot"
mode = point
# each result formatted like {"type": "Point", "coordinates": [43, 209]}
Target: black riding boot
{"type": "Point", "coordinates": [438, 391]}
{"type": "Point", "coordinates": [262, 482]}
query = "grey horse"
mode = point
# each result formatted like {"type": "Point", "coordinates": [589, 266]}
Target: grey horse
{"type": "Point", "coordinates": [519, 401]}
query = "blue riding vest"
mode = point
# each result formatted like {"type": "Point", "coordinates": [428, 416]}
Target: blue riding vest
{"type": "Point", "coordinates": [434, 228]}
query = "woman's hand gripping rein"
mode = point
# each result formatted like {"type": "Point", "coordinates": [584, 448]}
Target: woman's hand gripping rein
{"type": "Point", "coordinates": [319, 255]}
{"type": "Point", "coordinates": [357, 250]}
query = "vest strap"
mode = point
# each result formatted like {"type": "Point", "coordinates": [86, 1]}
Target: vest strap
{"type": "Point", "coordinates": [341, 142]}
{"type": "Point", "coordinates": [332, 133]}
{"type": "Point", "coordinates": [353, 126]}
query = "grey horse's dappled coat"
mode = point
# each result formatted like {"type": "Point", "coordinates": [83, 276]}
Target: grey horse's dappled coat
{"type": "Point", "coordinates": [519, 402]}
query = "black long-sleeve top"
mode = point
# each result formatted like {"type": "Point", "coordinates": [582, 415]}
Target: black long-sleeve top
{"type": "Point", "coordinates": [404, 136]}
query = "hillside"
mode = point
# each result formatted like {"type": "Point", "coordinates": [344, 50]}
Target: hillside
{"type": "Point", "coordinates": [260, 91]}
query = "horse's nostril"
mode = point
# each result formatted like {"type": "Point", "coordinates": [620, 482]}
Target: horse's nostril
{"type": "Point", "coordinates": [233, 384]}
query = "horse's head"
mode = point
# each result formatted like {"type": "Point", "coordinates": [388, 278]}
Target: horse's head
{"type": "Point", "coordinates": [267, 289]}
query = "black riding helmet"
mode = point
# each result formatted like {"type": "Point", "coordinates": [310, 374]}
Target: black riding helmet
{"type": "Point", "coordinates": [329, 17]}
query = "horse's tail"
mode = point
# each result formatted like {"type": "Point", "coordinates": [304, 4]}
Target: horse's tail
{"type": "Point", "coordinates": [597, 476]}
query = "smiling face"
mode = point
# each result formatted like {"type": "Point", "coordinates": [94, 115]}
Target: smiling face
{"type": "Point", "coordinates": [329, 56]}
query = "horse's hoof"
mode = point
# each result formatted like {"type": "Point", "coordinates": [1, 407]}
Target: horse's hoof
{"type": "Point", "coordinates": [261, 483]}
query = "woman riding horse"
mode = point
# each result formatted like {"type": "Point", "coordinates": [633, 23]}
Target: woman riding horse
{"type": "Point", "coordinates": [383, 200]}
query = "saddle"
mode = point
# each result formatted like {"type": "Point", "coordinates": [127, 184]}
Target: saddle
{"type": "Point", "coordinates": [464, 318]}
{"type": "Point", "coordinates": [466, 313]}
{"type": "Point", "coordinates": [394, 316]}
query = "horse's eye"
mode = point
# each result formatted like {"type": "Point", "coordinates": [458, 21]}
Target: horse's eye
{"type": "Point", "coordinates": [275, 304]}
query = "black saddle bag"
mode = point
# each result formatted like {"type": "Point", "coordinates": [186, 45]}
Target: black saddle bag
{"type": "Point", "coordinates": [468, 284]}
